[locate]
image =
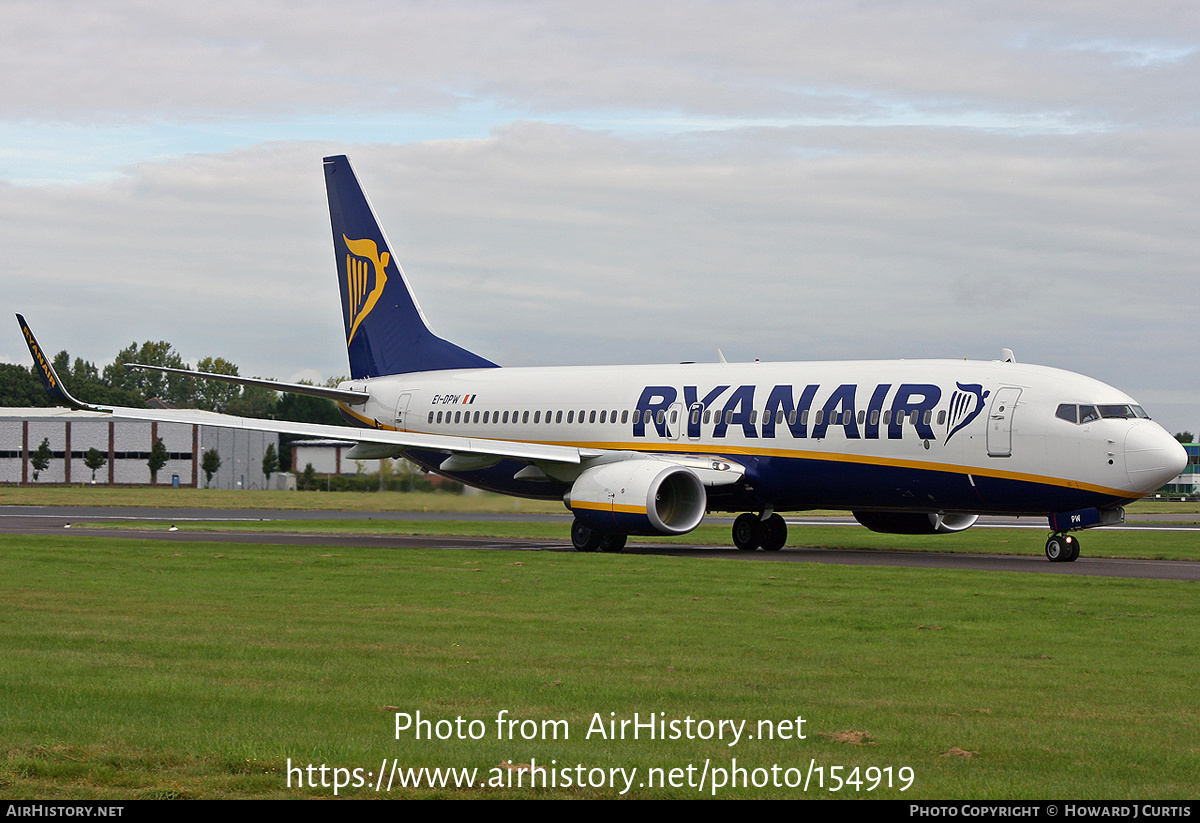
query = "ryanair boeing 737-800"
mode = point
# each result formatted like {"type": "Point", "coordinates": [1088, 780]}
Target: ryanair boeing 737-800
{"type": "Point", "coordinates": [909, 446]}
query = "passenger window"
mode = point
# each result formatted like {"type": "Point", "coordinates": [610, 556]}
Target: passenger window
{"type": "Point", "coordinates": [592, 416]}
{"type": "Point", "coordinates": [558, 417]}
{"type": "Point", "coordinates": [792, 417]}
{"type": "Point", "coordinates": [707, 416]}
{"type": "Point", "coordinates": [525, 417]}
{"type": "Point", "coordinates": [927, 417]}
{"type": "Point", "coordinates": [819, 417]}
{"type": "Point", "coordinates": [571, 416]}
{"type": "Point", "coordinates": [874, 417]}
{"type": "Point", "coordinates": [624, 415]}
{"type": "Point", "coordinates": [862, 416]}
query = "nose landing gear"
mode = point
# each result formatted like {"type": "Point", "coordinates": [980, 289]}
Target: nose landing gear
{"type": "Point", "coordinates": [1062, 548]}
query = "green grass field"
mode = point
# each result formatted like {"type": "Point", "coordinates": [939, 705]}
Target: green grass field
{"type": "Point", "coordinates": [136, 668]}
{"type": "Point", "coordinates": [140, 668]}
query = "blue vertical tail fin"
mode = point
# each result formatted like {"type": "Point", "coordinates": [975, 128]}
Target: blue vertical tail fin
{"type": "Point", "coordinates": [386, 332]}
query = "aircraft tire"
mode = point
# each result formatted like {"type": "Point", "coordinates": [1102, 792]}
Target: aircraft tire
{"type": "Point", "coordinates": [583, 538]}
{"type": "Point", "coordinates": [612, 543]}
{"type": "Point", "coordinates": [772, 533]}
{"type": "Point", "coordinates": [745, 532]}
{"type": "Point", "coordinates": [1057, 548]}
{"type": "Point", "coordinates": [1072, 549]}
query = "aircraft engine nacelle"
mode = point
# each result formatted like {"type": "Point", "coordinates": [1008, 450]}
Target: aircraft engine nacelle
{"type": "Point", "coordinates": [638, 497]}
{"type": "Point", "coordinates": [915, 522]}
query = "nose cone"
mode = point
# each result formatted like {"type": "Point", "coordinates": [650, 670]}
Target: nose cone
{"type": "Point", "coordinates": [1153, 458]}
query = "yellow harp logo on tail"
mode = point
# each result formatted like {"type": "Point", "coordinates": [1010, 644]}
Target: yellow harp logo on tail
{"type": "Point", "coordinates": [365, 279]}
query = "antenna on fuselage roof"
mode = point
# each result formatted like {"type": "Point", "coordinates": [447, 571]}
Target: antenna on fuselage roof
{"type": "Point", "coordinates": [721, 357]}
{"type": "Point", "coordinates": [1007, 356]}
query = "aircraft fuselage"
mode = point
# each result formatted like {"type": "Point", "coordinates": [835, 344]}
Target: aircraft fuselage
{"type": "Point", "coordinates": [946, 435]}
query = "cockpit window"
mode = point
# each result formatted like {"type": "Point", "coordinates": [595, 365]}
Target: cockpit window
{"type": "Point", "coordinates": [1081, 414]}
{"type": "Point", "coordinates": [1125, 412]}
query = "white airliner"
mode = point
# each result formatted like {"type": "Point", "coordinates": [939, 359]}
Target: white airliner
{"type": "Point", "coordinates": [910, 446]}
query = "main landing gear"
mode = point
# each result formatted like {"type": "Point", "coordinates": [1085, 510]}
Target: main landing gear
{"type": "Point", "coordinates": [1062, 548]}
{"type": "Point", "coordinates": [589, 540]}
{"type": "Point", "coordinates": [766, 531]}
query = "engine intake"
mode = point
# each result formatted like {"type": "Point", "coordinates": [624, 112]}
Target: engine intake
{"type": "Point", "coordinates": [638, 497]}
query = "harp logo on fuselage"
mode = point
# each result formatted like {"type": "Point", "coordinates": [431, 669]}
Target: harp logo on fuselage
{"type": "Point", "coordinates": [366, 275]}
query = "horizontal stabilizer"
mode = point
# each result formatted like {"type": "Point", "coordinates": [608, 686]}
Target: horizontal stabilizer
{"type": "Point", "coordinates": [348, 396]}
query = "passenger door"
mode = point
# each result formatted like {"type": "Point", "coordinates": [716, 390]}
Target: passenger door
{"type": "Point", "coordinates": [1000, 422]}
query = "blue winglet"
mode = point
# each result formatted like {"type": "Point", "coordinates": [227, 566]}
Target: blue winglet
{"type": "Point", "coordinates": [45, 370]}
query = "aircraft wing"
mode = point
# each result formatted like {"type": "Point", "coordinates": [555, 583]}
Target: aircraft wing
{"type": "Point", "coordinates": [519, 450]}
{"type": "Point", "coordinates": [373, 443]}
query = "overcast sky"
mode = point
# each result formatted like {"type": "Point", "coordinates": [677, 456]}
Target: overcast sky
{"type": "Point", "coordinates": [585, 183]}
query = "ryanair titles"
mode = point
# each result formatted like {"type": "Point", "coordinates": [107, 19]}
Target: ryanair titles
{"type": "Point", "coordinates": [807, 411]}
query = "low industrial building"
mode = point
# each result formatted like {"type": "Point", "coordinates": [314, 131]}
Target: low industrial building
{"type": "Point", "coordinates": [126, 446]}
